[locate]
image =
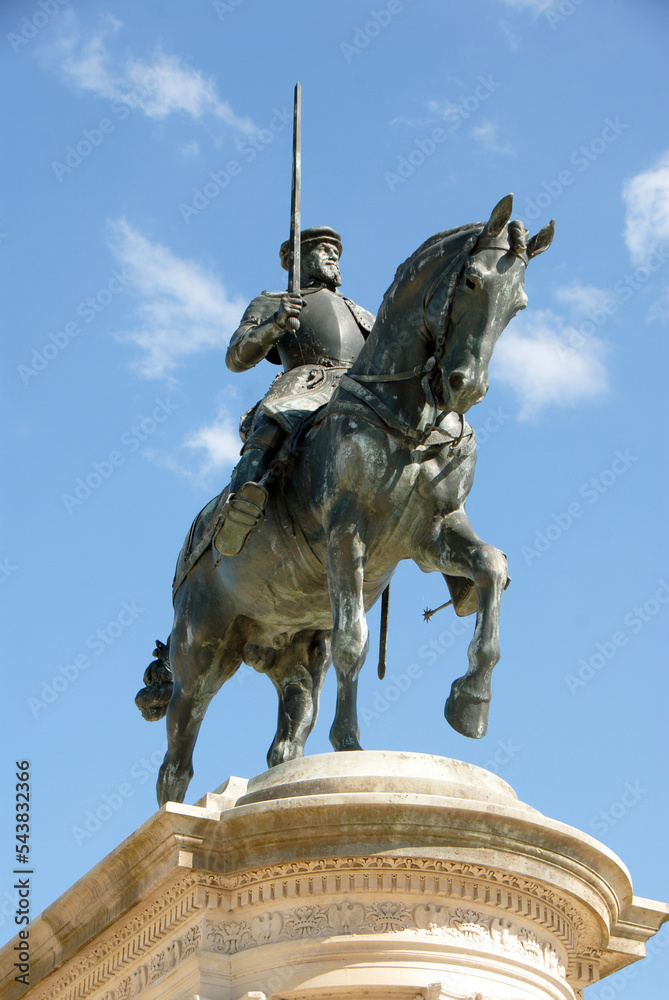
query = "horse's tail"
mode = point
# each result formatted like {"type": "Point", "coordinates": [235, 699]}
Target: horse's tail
{"type": "Point", "coordinates": [153, 699]}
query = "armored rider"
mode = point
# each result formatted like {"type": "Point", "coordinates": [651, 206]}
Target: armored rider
{"type": "Point", "coordinates": [331, 331]}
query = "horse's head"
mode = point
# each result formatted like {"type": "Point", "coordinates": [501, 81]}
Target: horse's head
{"type": "Point", "coordinates": [485, 291]}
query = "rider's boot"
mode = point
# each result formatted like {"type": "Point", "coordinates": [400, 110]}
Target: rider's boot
{"type": "Point", "coordinates": [245, 506]}
{"type": "Point", "coordinates": [243, 511]}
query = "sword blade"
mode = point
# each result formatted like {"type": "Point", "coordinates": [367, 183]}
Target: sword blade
{"type": "Point", "coordinates": [296, 196]}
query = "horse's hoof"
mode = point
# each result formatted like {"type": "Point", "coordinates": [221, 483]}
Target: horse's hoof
{"type": "Point", "coordinates": [345, 744]}
{"type": "Point", "coordinates": [467, 714]}
{"type": "Point", "coordinates": [283, 752]}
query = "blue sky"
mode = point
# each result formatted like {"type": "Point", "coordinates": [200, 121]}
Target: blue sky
{"type": "Point", "coordinates": [147, 182]}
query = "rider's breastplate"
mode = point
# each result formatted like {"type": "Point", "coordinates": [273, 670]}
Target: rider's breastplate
{"type": "Point", "coordinates": [328, 333]}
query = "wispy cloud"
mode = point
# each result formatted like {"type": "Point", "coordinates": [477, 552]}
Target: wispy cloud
{"type": "Point", "coordinates": [582, 298]}
{"type": "Point", "coordinates": [534, 359]}
{"type": "Point", "coordinates": [181, 307]}
{"type": "Point", "coordinates": [208, 454]}
{"type": "Point", "coordinates": [511, 37]}
{"type": "Point", "coordinates": [646, 198]}
{"type": "Point", "coordinates": [442, 107]}
{"type": "Point", "coordinates": [534, 6]}
{"type": "Point", "coordinates": [411, 122]}
{"type": "Point", "coordinates": [189, 148]}
{"type": "Point", "coordinates": [487, 134]}
{"type": "Point", "coordinates": [660, 308]}
{"type": "Point", "coordinates": [159, 87]}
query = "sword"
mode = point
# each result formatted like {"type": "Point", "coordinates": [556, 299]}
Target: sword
{"type": "Point", "coordinates": [294, 260]}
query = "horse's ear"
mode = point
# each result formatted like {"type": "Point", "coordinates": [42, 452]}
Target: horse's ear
{"type": "Point", "coordinates": [541, 241]}
{"type": "Point", "coordinates": [499, 216]}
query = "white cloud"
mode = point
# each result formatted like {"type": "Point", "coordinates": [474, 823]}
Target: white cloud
{"type": "Point", "coordinates": [189, 148]}
{"type": "Point", "coordinates": [659, 310]}
{"type": "Point", "coordinates": [511, 37]}
{"type": "Point", "coordinates": [411, 122]}
{"type": "Point", "coordinates": [534, 6]}
{"type": "Point", "coordinates": [444, 108]}
{"type": "Point", "coordinates": [582, 298]}
{"type": "Point", "coordinates": [216, 445]}
{"type": "Point", "coordinates": [182, 308]}
{"type": "Point", "coordinates": [160, 87]}
{"type": "Point", "coordinates": [207, 455]}
{"type": "Point", "coordinates": [646, 198]}
{"type": "Point", "coordinates": [535, 359]}
{"type": "Point", "coordinates": [487, 134]}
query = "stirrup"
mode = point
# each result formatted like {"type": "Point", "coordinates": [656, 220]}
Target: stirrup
{"type": "Point", "coordinates": [243, 511]}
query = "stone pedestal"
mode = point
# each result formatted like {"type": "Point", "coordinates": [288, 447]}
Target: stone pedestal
{"type": "Point", "coordinates": [382, 875]}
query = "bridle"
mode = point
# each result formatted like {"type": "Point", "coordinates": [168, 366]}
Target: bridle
{"type": "Point", "coordinates": [355, 383]}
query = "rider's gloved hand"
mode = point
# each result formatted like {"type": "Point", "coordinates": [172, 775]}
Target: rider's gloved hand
{"type": "Point", "coordinates": [290, 304]}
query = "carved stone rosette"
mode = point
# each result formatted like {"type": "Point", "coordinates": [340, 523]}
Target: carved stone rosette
{"type": "Point", "coordinates": [375, 875]}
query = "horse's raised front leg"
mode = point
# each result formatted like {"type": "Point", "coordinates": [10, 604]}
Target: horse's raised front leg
{"type": "Point", "coordinates": [298, 675]}
{"type": "Point", "coordinates": [350, 635]}
{"type": "Point", "coordinates": [462, 553]}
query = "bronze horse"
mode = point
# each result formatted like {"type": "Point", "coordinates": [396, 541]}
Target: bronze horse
{"type": "Point", "coordinates": [381, 475]}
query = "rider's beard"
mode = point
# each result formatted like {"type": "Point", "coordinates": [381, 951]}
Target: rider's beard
{"type": "Point", "coordinates": [327, 273]}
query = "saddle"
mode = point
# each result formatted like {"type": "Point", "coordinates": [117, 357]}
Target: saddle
{"type": "Point", "coordinates": [207, 523]}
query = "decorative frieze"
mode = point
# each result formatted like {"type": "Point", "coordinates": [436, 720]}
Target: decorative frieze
{"type": "Point", "coordinates": [468, 928]}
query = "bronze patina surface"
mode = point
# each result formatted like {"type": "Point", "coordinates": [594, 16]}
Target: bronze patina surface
{"type": "Point", "coordinates": [380, 475]}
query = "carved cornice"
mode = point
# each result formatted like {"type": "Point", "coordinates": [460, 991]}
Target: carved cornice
{"type": "Point", "coordinates": [477, 883]}
{"type": "Point", "coordinates": [157, 967]}
{"type": "Point", "coordinates": [508, 913]}
{"type": "Point", "coordinates": [130, 941]}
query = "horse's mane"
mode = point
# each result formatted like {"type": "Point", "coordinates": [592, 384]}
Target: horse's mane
{"type": "Point", "coordinates": [447, 245]}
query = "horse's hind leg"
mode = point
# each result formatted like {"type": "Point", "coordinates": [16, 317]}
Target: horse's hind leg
{"type": "Point", "coordinates": [297, 675]}
{"type": "Point", "coordinates": [184, 717]}
{"type": "Point", "coordinates": [200, 667]}
{"type": "Point", "coordinates": [350, 635]}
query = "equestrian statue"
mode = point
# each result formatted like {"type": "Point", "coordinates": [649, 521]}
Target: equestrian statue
{"type": "Point", "coordinates": [359, 456]}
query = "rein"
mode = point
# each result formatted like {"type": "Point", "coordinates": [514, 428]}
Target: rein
{"type": "Point", "coordinates": [354, 382]}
